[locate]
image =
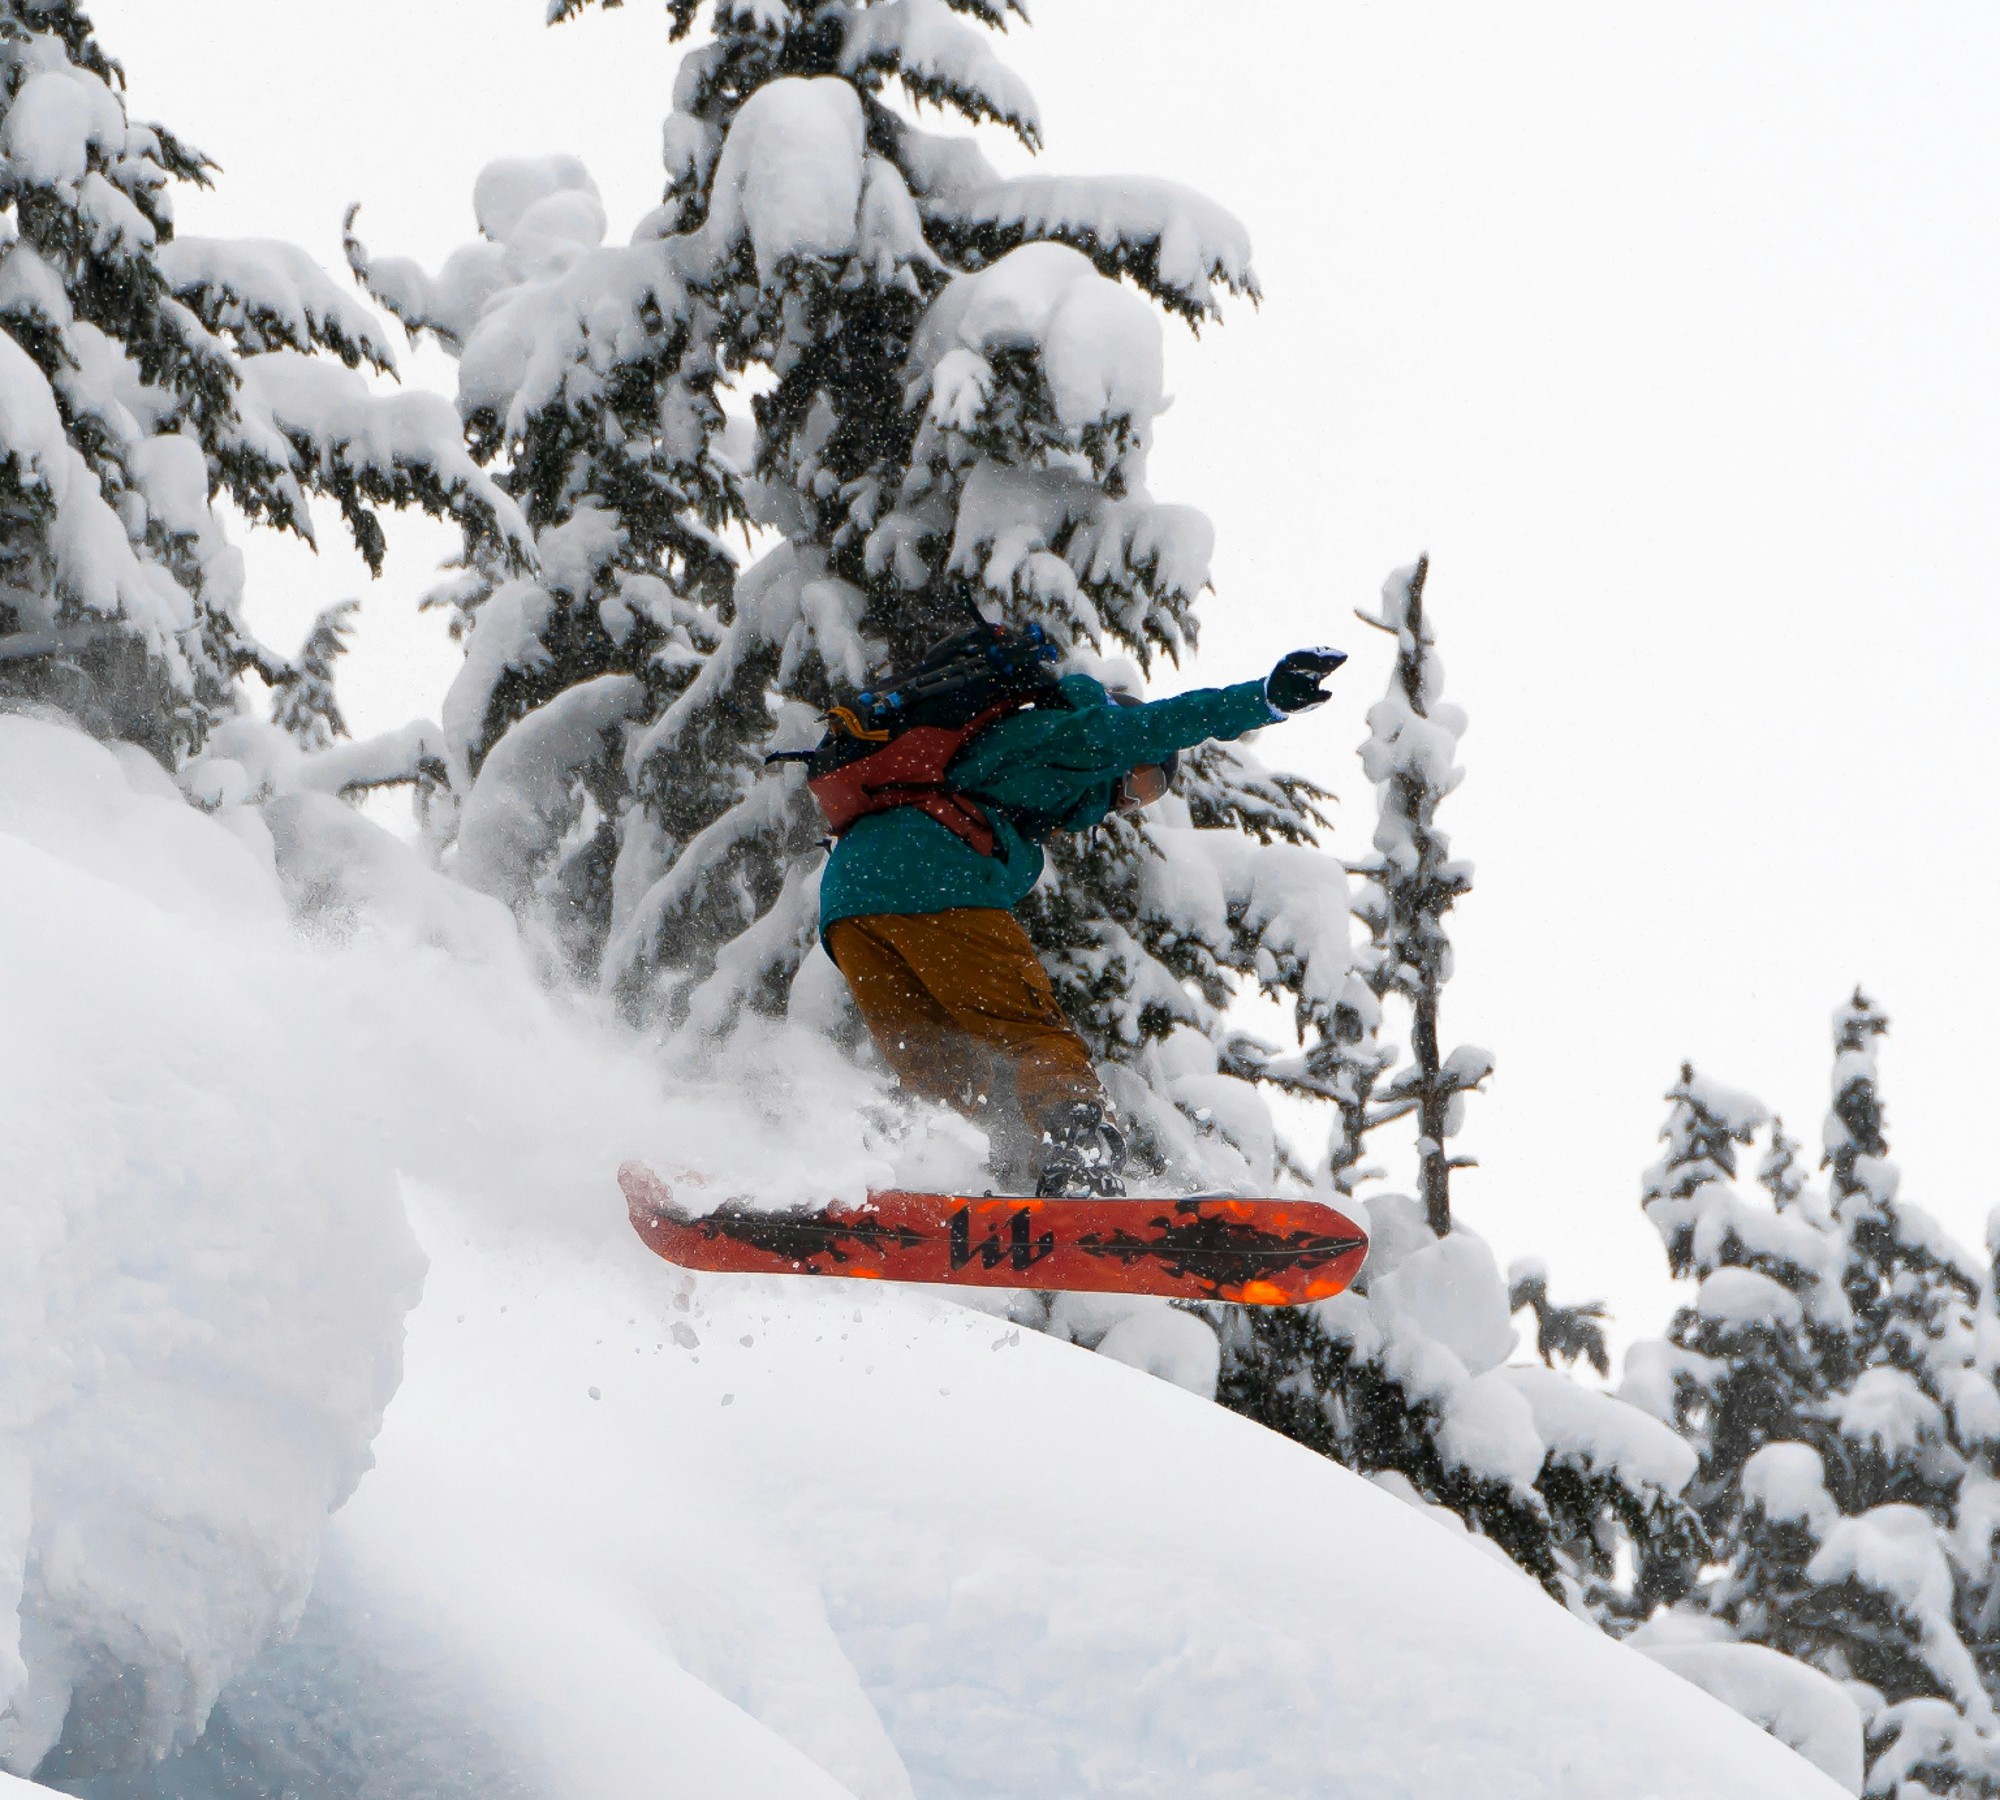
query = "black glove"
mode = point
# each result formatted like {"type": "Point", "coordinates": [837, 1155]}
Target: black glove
{"type": "Point", "coordinates": [1294, 685]}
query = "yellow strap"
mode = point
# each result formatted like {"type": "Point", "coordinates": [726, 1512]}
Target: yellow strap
{"type": "Point", "coordinates": [845, 718]}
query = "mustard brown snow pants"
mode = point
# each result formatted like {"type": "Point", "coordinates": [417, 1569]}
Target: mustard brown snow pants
{"type": "Point", "coordinates": [952, 997]}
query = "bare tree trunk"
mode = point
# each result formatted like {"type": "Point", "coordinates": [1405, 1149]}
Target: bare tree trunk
{"type": "Point", "coordinates": [1433, 1102]}
{"type": "Point", "coordinates": [1434, 1160]}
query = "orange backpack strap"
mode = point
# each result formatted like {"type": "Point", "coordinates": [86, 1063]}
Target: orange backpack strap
{"type": "Point", "coordinates": [849, 722]}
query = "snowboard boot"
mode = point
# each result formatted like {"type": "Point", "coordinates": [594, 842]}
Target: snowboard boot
{"type": "Point", "coordinates": [1083, 1153]}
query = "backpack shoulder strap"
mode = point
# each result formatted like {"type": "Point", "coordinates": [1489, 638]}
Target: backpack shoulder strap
{"type": "Point", "coordinates": [911, 769]}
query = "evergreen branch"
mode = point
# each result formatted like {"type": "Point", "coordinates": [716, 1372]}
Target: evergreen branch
{"type": "Point", "coordinates": [680, 13]}
{"type": "Point", "coordinates": [1571, 1333]}
{"type": "Point", "coordinates": [937, 60]}
{"type": "Point", "coordinates": [303, 702]}
{"type": "Point", "coordinates": [270, 296]}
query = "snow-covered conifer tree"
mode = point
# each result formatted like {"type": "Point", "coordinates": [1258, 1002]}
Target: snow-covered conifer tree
{"type": "Point", "coordinates": [1406, 1378]}
{"type": "Point", "coordinates": [1835, 1373]}
{"type": "Point", "coordinates": [1764, 1338]}
{"type": "Point", "coordinates": [934, 389]}
{"type": "Point", "coordinates": [142, 375]}
{"type": "Point", "coordinates": [1414, 881]}
{"type": "Point", "coordinates": [1408, 886]}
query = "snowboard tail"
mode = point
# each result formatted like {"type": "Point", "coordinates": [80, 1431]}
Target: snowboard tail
{"type": "Point", "coordinates": [1206, 1247]}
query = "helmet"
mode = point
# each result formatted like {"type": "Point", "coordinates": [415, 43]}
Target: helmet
{"type": "Point", "coordinates": [1148, 782]}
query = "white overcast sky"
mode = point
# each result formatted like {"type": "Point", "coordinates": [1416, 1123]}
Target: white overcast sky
{"type": "Point", "coordinates": [1668, 332]}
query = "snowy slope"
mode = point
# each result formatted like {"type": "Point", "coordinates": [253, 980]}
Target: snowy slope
{"type": "Point", "coordinates": [799, 1541]}
{"type": "Point", "coordinates": [889, 1546]}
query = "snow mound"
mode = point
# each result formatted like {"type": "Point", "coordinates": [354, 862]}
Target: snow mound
{"type": "Point", "coordinates": [207, 1269]}
{"type": "Point", "coordinates": [1885, 1407]}
{"type": "Point", "coordinates": [1451, 1291]}
{"type": "Point", "coordinates": [507, 191]}
{"type": "Point", "coordinates": [1795, 1703]}
{"type": "Point", "coordinates": [1788, 1481]}
{"type": "Point", "coordinates": [1593, 1430]}
{"type": "Point", "coordinates": [1743, 1297]}
{"type": "Point", "coordinates": [522, 800]}
{"type": "Point", "coordinates": [208, 1256]}
{"type": "Point", "coordinates": [1099, 344]}
{"type": "Point", "coordinates": [1168, 1344]}
{"type": "Point", "coordinates": [791, 173]}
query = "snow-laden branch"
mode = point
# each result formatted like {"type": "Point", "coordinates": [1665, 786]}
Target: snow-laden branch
{"type": "Point", "coordinates": [268, 295]}
{"type": "Point", "coordinates": [322, 423]}
{"type": "Point", "coordinates": [1175, 243]}
{"type": "Point", "coordinates": [938, 59]}
{"type": "Point", "coordinates": [93, 566]}
{"type": "Point", "coordinates": [412, 754]}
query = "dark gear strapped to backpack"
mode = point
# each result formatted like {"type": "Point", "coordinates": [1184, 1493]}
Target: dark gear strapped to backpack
{"type": "Point", "coordinates": [894, 746]}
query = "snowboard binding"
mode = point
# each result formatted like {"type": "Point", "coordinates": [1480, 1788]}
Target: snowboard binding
{"type": "Point", "coordinates": [1083, 1154]}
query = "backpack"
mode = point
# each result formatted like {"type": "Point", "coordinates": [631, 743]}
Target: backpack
{"type": "Point", "coordinates": [893, 745]}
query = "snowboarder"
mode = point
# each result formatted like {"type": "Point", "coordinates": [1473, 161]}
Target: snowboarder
{"type": "Point", "coordinates": [940, 789]}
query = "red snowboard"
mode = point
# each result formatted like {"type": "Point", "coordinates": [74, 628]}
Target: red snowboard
{"type": "Point", "coordinates": [1254, 1252]}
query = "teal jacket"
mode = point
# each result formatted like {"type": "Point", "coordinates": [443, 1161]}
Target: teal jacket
{"type": "Point", "coordinates": [1047, 769]}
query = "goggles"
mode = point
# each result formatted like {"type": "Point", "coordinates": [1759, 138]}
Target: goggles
{"type": "Point", "coordinates": [1143, 786]}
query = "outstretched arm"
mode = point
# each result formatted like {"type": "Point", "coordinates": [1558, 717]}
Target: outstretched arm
{"type": "Point", "coordinates": [1123, 738]}
{"type": "Point", "coordinates": [1066, 765]}
{"type": "Point", "coordinates": [1119, 739]}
